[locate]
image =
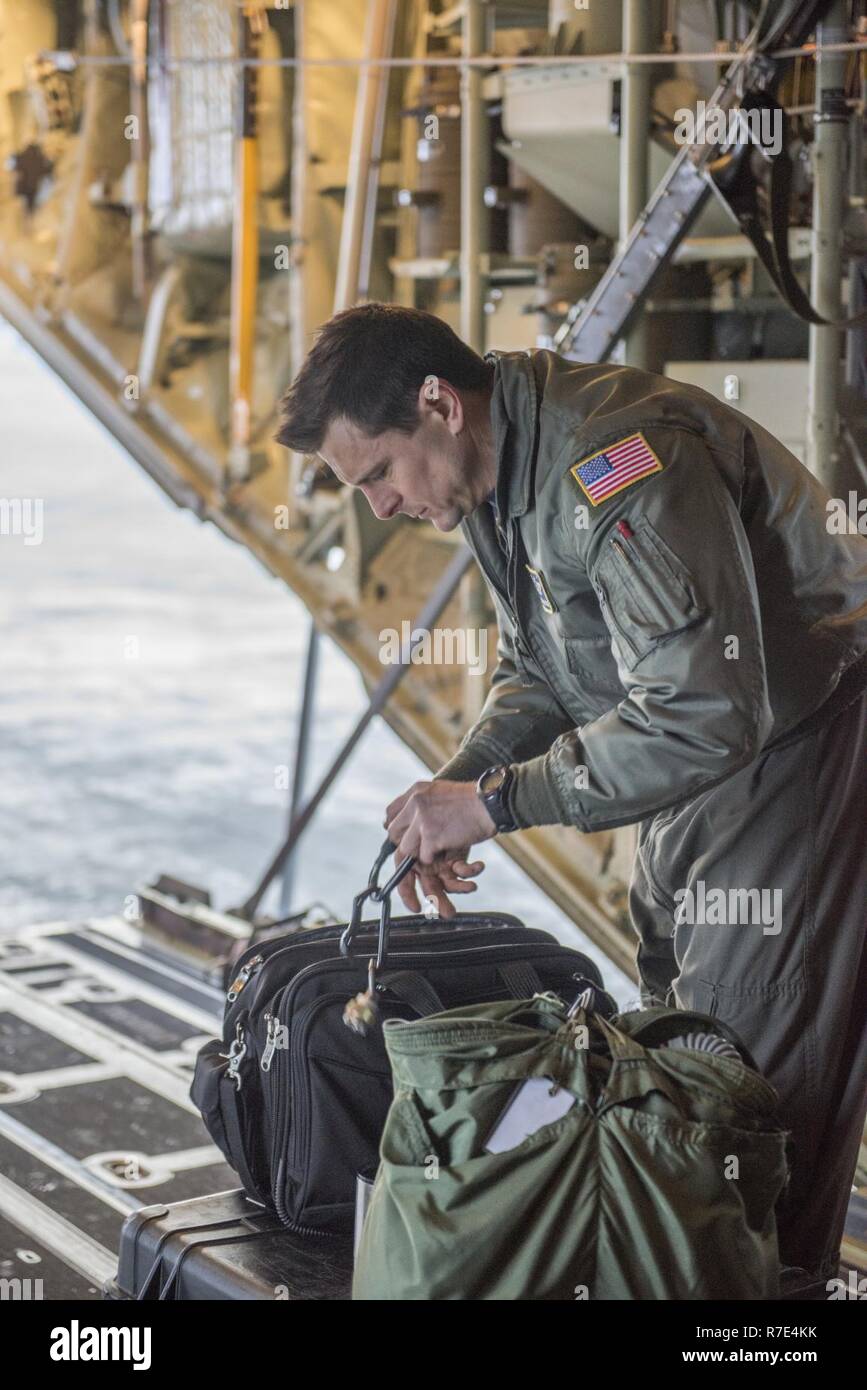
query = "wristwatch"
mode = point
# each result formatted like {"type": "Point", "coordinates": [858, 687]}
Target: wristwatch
{"type": "Point", "coordinates": [493, 789]}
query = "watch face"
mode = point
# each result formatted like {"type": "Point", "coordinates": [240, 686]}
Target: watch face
{"type": "Point", "coordinates": [493, 780]}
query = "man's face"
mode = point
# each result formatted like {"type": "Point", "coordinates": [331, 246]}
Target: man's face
{"type": "Point", "coordinates": [431, 473]}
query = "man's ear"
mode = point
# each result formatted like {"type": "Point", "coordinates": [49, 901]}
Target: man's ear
{"type": "Point", "coordinates": [438, 397]}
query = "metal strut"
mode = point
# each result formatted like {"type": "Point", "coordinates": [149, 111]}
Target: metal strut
{"type": "Point", "coordinates": [445, 588]}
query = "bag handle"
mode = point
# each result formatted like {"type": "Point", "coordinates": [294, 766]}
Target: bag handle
{"type": "Point", "coordinates": [382, 895]}
{"type": "Point", "coordinates": [413, 989]}
{"type": "Point", "coordinates": [377, 895]}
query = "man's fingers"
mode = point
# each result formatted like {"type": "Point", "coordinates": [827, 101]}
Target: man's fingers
{"type": "Point", "coordinates": [407, 892]}
{"type": "Point", "coordinates": [395, 807]}
{"type": "Point", "coordinates": [430, 881]}
{"type": "Point", "coordinates": [465, 870]}
{"type": "Point", "coordinates": [444, 907]}
{"type": "Point", "coordinates": [402, 834]}
{"type": "Point", "coordinates": [454, 871]}
{"type": "Point", "coordinates": [435, 880]}
{"type": "Point", "coordinates": [457, 885]}
{"type": "Point", "coordinates": [433, 887]}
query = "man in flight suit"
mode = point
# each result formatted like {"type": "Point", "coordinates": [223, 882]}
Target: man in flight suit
{"type": "Point", "coordinates": [683, 645]}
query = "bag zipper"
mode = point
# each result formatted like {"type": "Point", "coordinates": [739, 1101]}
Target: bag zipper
{"type": "Point", "coordinates": [242, 977]}
{"type": "Point", "coordinates": [254, 966]}
{"type": "Point", "coordinates": [299, 1077]}
{"type": "Point", "coordinates": [272, 1032]}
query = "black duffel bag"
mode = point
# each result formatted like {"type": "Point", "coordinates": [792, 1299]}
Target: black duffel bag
{"type": "Point", "coordinates": [293, 1097]}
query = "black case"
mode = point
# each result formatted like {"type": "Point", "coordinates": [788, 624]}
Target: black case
{"type": "Point", "coordinates": [293, 1098]}
{"type": "Point", "coordinates": [226, 1247]}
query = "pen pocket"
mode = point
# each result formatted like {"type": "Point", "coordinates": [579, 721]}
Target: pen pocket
{"type": "Point", "coordinates": [645, 590]}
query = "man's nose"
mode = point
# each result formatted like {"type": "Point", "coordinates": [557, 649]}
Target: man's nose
{"type": "Point", "coordinates": [383, 506]}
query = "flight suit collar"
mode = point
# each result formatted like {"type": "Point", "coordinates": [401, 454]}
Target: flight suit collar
{"type": "Point", "coordinates": [515, 424]}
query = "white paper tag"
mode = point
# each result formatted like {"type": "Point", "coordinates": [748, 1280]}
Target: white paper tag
{"type": "Point", "coordinates": [531, 1106]}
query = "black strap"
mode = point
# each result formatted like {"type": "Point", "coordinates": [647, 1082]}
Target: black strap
{"type": "Point", "coordinates": [781, 186]}
{"type": "Point", "coordinates": [592, 996]}
{"type": "Point", "coordinates": [520, 978]}
{"type": "Point", "coordinates": [743, 199]}
{"type": "Point", "coordinates": [236, 1142]}
{"type": "Point", "coordinates": [414, 989]}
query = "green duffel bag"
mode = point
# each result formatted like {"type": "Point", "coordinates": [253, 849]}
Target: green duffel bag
{"type": "Point", "coordinates": [659, 1182]}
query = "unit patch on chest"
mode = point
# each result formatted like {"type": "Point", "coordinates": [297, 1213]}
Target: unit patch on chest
{"type": "Point", "coordinates": [617, 466]}
{"type": "Point", "coordinates": [540, 584]}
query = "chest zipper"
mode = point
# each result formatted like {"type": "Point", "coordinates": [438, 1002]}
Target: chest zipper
{"type": "Point", "coordinates": [510, 597]}
{"type": "Point", "coordinates": [489, 575]}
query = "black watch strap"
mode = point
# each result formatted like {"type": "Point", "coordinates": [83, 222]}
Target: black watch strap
{"type": "Point", "coordinates": [496, 800]}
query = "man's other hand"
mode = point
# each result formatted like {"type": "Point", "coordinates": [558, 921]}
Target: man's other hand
{"type": "Point", "coordinates": [435, 880]}
{"type": "Point", "coordinates": [438, 823]}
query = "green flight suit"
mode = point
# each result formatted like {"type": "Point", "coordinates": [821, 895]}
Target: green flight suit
{"type": "Point", "coordinates": [683, 644]}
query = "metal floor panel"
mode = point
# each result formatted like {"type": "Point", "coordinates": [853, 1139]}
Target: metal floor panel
{"type": "Point", "coordinates": [60, 1191]}
{"type": "Point", "coordinates": [98, 1036]}
{"type": "Point", "coordinates": [42, 1274]}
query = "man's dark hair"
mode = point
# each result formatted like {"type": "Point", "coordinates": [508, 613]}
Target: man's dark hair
{"type": "Point", "coordinates": [368, 364]}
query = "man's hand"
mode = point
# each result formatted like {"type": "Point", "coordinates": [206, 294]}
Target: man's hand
{"type": "Point", "coordinates": [437, 823]}
{"type": "Point", "coordinates": [436, 880]}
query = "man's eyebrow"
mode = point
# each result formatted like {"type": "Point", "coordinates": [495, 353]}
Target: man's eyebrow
{"type": "Point", "coordinates": [323, 459]}
{"type": "Point", "coordinates": [377, 468]}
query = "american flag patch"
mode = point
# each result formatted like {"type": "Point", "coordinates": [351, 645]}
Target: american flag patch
{"type": "Point", "coordinates": [612, 469]}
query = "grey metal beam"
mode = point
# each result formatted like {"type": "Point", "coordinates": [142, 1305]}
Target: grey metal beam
{"type": "Point", "coordinates": [829, 187]}
{"type": "Point", "coordinates": [302, 754]}
{"type": "Point", "coordinates": [634, 159]}
{"type": "Point", "coordinates": [473, 179]}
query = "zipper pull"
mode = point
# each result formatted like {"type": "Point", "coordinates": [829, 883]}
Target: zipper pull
{"type": "Point", "coordinates": [242, 977]}
{"type": "Point", "coordinates": [273, 1026]}
{"type": "Point", "coordinates": [362, 1011]}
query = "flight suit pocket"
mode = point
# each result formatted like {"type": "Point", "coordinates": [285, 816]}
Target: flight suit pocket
{"type": "Point", "coordinates": [589, 658]}
{"type": "Point", "coordinates": [645, 590]}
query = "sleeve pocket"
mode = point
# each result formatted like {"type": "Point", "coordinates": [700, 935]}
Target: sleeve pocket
{"type": "Point", "coordinates": [645, 591]}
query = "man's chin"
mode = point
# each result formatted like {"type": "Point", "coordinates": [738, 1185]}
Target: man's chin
{"type": "Point", "coordinates": [446, 520]}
